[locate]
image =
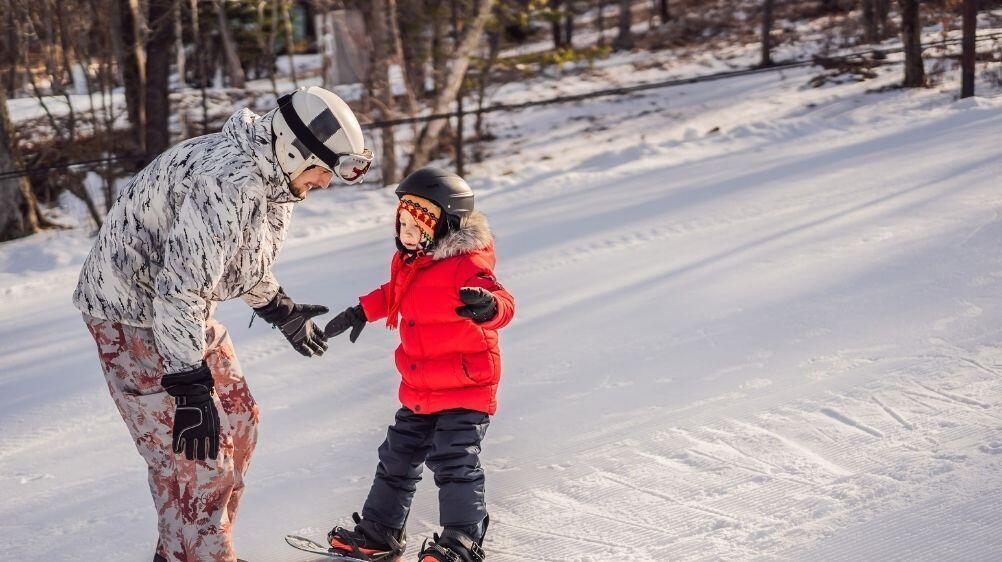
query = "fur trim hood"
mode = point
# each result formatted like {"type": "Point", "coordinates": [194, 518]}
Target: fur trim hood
{"type": "Point", "coordinates": [474, 234]}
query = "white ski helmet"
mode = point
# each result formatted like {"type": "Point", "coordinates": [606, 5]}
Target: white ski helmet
{"type": "Point", "coordinates": [315, 127]}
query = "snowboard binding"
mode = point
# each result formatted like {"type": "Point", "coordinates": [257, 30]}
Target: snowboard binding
{"type": "Point", "coordinates": [369, 541]}
{"type": "Point", "coordinates": [454, 545]}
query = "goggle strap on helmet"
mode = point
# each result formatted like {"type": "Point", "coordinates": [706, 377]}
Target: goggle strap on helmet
{"type": "Point", "coordinates": [307, 136]}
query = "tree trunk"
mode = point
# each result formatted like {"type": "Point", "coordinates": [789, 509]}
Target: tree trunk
{"type": "Point", "coordinates": [133, 65]}
{"type": "Point", "coordinates": [600, 21]}
{"type": "Point", "coordinates": [272, 33]}
{"type": "Point", "coordinates": [664, 13]}
{"type": "Point", "coordinates": [829, 6]}
{"type": "Point", "coordinates": [17, 203]}
{"type": "Point", "coordinates": [470, 38]}
{"type": "Point", "coordinates": [325, 39]}
{"type": "Point", "coordinates": [380, 84]}
{"type": "Point", "coordinates": [883, 9]}
{"type": "Point", "coordinates": [569, 25]}
{"type": "Point", "coordinates": [290, 43]}
{"type": "Point", "coordinates": [179, 45]}
{"type": "Point", "coordinates": [12, 49]}
{"type": "Point", "coordinates": [967, 59]}
{"type": "Point", "coordinates": [158, 76]}
{"type": "Point", "coordinates": [871, 30]}
{"type": "Point", "coordinates": [415, 44]}
{"type": "Point", "coordinates": [558, 36]}
{"type": "Point", "coordinates": [911, 28]}
{"type": "Point", "coordinates": [459, 149]}
{"type": "Point", "coordinates": [439, 53]}
{"type": "Point", "coordinates": [624, 40]}
{"type": "Point", "coordinates": [393, 27]}
{"type": "Point", "coordinates": [766, 33]}
{"type": "Point", "coordinates": [234, 70]}
{"type": "Point", "coordinates": [493, 49]}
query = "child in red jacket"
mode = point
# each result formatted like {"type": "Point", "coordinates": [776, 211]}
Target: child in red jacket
{"type": "Point", "coordinates": [448, 306]}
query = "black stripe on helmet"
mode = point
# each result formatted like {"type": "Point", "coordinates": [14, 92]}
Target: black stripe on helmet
{"type": "Point", "coordinates": [310, 140]}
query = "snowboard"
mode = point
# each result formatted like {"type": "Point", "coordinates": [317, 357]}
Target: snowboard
{"type": "Point", "coordinates": [307, 545]}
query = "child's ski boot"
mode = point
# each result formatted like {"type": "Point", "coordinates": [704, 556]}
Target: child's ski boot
{"type": "Point", "coordinates": [456, 544]}
{"type": "Point", "coordinates": [370, 541]}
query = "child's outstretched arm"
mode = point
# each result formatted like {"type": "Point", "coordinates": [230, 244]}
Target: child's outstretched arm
{"type": "Point", "coordinates": [370, 308]}
{"type": "Point", "coordinates": [376, 303]}
{"type": "Point", "coordinates": [485, 301]}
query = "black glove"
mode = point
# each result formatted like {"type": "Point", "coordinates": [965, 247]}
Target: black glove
{"type": "Point", "coordinates": [353, 318]}
{"type": "Point", "coordinates": [196, 421]}
{"type": "Point", "coordinates": [294, 321]}
{"type": "Point", "coordinates": [480, 304]}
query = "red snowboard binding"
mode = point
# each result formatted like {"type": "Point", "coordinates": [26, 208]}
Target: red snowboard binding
{"type": "Point", "coordinates": [369, 541]}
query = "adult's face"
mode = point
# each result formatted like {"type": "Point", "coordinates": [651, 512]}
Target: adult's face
{"type": "Point", "coordinates": [315, 177]}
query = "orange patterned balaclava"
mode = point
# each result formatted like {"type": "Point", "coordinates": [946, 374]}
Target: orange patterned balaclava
{"type": "Point", "coordinates": [426, 214]}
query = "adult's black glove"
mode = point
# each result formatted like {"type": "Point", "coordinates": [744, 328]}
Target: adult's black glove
{"type": "Point", "coordinates": [296, 324]}
{"type": "Point", "coordinates": [196, 421]}
{"type": "Point", "coordinates": [480, 304]}
{"type": "Point", "coordinates": [353, 318]}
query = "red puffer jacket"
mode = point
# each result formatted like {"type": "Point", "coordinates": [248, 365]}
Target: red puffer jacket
{"type": "Point", "coordinates": [446, 361]}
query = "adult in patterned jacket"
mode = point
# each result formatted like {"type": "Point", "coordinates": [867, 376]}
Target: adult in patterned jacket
{"type": "Point", "coordinates": [203, 223]}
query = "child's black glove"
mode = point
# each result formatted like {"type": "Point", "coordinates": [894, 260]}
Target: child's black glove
{"type": "Point", "coordinates": [480, 304]}
{"type": "Point", "coordinates": [353, 318]}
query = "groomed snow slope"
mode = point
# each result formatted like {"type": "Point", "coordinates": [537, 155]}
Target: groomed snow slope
{"type": "Point", "coordinates": [778, 340]}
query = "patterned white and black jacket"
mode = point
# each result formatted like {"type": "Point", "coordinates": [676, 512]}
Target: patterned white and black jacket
{"type": "Point", "coordinates": [202, 223]}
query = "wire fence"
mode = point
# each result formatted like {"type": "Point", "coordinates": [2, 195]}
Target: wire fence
{"type": "Point", "coordinates": [511, 107]}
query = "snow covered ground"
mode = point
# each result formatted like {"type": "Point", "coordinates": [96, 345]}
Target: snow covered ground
{"type": "Point", "coordinates": [755, 320]}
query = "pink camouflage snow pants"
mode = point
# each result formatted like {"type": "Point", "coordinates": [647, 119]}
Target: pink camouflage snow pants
{"type": "Point", "coordinates": [196, 501]}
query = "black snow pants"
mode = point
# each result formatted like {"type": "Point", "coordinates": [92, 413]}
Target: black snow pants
{"type": "Point", "coordinates": [449, 443]}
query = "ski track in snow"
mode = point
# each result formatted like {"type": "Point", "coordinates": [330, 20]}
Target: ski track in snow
{"type": "Point", "coordinates": [777, 341]}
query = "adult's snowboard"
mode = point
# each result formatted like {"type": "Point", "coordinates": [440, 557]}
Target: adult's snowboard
{"type": "Point", "coordinates": [307, 545]}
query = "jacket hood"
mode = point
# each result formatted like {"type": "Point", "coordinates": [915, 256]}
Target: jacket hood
{"type": "Point", "coordinates": [252, 133]}
{"type": "Point", "coordinates": [473, 235]}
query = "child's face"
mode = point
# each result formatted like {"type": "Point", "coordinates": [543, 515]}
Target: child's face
{"type": "Point", "coordinates": [410, 234]}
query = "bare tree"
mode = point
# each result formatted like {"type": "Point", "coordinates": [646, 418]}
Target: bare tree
{"type": "Point", "coordinates": [967, 59]}
{"type": "Point", "coordinates": [393, 28]}
{"type": "Point", "coordinates": [10, 47]}
{"type": "Point", "coordinates": [883, 9]}
{"type": "Point", "coordinates": [553, 14]}
{"type": "Point", "coordinates": [871, 29]}
{"type": "Point", "coordinates": [158, 75]}
{"type": "Point", "coordinates": [234, 70]}
{"type": "Point", "coordinates": [18, 215]}
{"type": "Point", "coordinates": [663, 12]}
{"type": "Point", "coordinates": [468, 41]}
{"type": "Point", "coordinates": [766, 33]}
{"type": "Point", "coordinates": [269, 40]}
{"type": "Point", "coordinates": [624, 40]}
{"type": "Point", "coordinates": [415, 43]}
{"type": "Point", "coordinates": [439, 52]}
{"type": "Point", "coordinates": [569, 24]}
{"type": "Point", "coordinates": [132, 61]}
{"type": "Point", "coordinates": [379, 82]}
{"type": "Point", "coordinates": [911, 37]}
{"type": "Point", "coordinates": [600, 21]}
{"type": "Point", "coordinates": [290, 43]}
{"type": "Point", "coordinates": [829, 6]}
{"type": "Point", "coordinates": [179, 43]}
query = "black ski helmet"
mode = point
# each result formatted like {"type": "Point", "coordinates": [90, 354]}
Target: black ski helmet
{"type": "Point", "coordinates": [445, 189]}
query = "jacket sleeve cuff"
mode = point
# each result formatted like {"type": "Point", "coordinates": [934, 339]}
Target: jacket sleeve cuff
{"type": "Point", "coordinates": [506, 311]}
{"type": "Point", "coordinates": [374, 305]}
